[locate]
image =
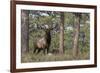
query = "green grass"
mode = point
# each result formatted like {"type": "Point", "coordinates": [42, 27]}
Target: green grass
{"type": "Point", "coordinates": [31, 57]}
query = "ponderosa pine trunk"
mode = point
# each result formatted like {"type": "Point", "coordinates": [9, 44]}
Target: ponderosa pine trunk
{"type": "Point", "coordinates": [76, 35]}
{"type": "Point", "coordinates": [24, 30]}
{"type": "Point", "coordinates": [61, 46]}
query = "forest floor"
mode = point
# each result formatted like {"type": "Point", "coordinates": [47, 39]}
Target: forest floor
{"type": "Point", "coordinates": [67, 56]}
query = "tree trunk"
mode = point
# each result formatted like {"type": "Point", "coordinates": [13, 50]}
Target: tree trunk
{"type": "Point", "coordinates": [76, 35]}
{"type": "Point", "coordinates": [61, 46]}
{"type": "Point", "coordinates": [24, 30]}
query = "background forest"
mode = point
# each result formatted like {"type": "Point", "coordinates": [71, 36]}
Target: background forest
{"type": "Point", "coordinates": [71, 42]}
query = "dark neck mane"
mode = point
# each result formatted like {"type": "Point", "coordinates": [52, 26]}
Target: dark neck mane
{"type": "Point", "coordinates": [48, 36]}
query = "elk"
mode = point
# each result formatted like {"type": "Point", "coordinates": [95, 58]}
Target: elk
{"type": "Point", "coordinates": [43, 43]}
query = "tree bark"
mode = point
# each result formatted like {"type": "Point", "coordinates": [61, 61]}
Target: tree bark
{"type": "Point", "coordinates": [76, 35]}
{"type": "Point", "coordinates": [24, 30]}
{"type": "Point", "coordinates": [61, 46]}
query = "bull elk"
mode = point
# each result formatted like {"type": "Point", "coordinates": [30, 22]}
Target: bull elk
{"type": "Point", "coordinates": [43, 43]}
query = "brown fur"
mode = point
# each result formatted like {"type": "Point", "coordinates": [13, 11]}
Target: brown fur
{"type": "Point", "coordinates": [43, 43]}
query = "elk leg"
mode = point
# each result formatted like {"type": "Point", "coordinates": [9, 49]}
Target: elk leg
{"type": "Point", "coordinates": [44, 51]}
{"type": "Point", "coordinates": [34, 50]}
{"type": "Point", "coordinates": [38, 51]}
{"type": "Point", "coordinates": [47, 50]}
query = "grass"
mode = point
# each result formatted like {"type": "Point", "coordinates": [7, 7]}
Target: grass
{"type": "Point", "coordinates": [31, 57]}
